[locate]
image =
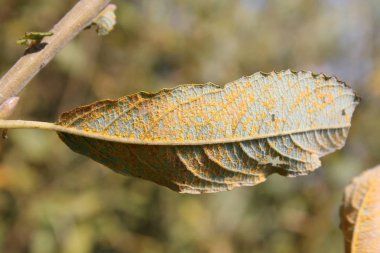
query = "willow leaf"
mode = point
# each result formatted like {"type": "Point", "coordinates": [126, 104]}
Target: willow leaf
{"type": "Point", "coordinates": [205, 138]}
{"type": "Point", "coordinates": [360, 213]}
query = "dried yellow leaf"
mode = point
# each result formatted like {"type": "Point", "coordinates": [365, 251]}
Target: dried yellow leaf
{"type": "Point", "coordinates": [360, 213]}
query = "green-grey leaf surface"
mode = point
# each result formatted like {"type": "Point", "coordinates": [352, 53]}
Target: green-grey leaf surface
{"type": "Point", "coordinates": [205, 138]}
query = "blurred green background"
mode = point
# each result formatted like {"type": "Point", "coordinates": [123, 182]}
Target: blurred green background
{"type": "Point", "coordinates": [53, 200]}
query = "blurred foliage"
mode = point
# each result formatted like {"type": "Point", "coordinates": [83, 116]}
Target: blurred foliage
{"type": "Point", "coordinates": [52, 200]}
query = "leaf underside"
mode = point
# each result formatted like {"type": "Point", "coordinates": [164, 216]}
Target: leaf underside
{"type": "Point", "coordinates": [360, 213]}
{"type": "Point", "coordinates": [205, 138]}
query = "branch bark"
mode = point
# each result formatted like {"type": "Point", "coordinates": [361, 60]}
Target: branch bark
{"type": "Point", "coordinates": [79, 17]}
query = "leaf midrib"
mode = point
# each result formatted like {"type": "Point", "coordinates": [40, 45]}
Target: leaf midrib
{"type": "Point", "coordinates": [95, 135]}
{"type": "Point", "coordinates": [26, 124]}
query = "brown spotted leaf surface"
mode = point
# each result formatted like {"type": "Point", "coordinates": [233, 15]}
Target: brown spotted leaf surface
{"type": "Point", "coordinates": [206, 138]}
{"type": "Point", "coordinates": [360, 213]}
